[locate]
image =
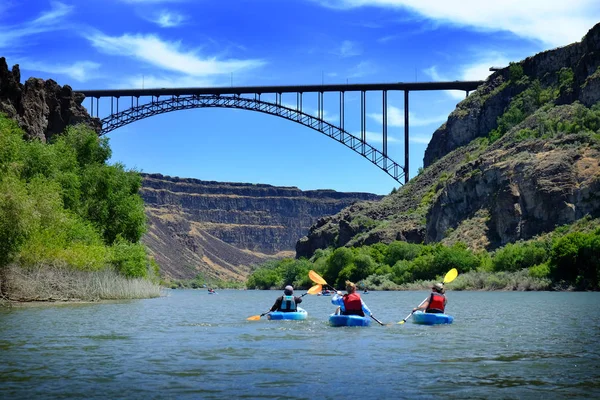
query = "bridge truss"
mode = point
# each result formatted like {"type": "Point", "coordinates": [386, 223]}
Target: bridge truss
{"type": "Point", "coordinates": [249, 98]}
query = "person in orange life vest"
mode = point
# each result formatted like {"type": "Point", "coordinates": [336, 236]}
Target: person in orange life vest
{"type": "Point", "coordinates": [287, 302]}
{"type": "Point", "coordinates": [350, 303]}
{"type": "Point", "coordinates": [436, 302]}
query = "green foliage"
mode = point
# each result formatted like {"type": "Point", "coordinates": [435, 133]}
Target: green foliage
{"type": "Point", "coordinates": [575, 258]}
{"type": "Point", "coordinates": [399, 250]}
{"type": "Point", "coordinates": [16, 217]}
{"type": "Point", "coordinates": [517, 256]}
{"type": "Point", "coordinates": [61, 204]}
{"type": "Point", "coordinates": [565, 79]}
{"type": "Point", "coordinates": [129, 259]}
{"type": "Point", "coordinates": [277, 274]}
{"type": "Point", "coordinates": [539, 271]}
{"type": "Point", "coordinates": [341, 258]}
{"type": "Point", "coordinates": [515, 71]}
{"type": "Point", "coordinates": [112, 202]}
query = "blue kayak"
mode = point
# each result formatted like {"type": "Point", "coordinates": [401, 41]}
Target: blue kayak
{"type": "Point", "coordinates": [421, 318]}
{"type": "Point", "coordinates": [297, 315]}
{"type": "Point", "coordinates": [348, 320]}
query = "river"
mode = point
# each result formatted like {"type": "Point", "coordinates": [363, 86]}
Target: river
{"type": "Point", "coordinates": [188, 344]}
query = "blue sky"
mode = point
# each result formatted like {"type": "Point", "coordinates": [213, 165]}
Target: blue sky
{"type": "Point", "coordinates": [99, 44]}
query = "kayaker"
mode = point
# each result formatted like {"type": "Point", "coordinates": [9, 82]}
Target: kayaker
{"type": "Point", "coordinates": [287, 302]}
{"type": "Point", "coordinates": [350, 303]}
{"type": "Point", "coordinates": [436, 302]}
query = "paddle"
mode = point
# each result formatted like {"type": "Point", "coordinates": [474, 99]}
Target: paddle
{"type": "Point", "coordinates": [313, 290]}
{"type": "Point", "coordinates": [316, 278]}
{"type": "Point", "coordinates": [450, 276]}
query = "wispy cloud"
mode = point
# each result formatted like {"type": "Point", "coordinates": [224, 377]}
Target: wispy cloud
{"type": "Point", "coordinates": [162, 81]}
{"type": "Point", "coordinates": [395, 117]}
{"type": "Point", "coordinates": [555, 23]}
{"type": "Point", "coordinates": [478, 69]}
{"type": "Point", "coordinates": [376, 137]}
{"type": "Point", "coordinates": [80, 71]}
{"type": "Point", "coordinates": [167, 55]}
{"type": "Point", "coordinates": [151, 1]}
{"type": "Point", "coordinates": [167, 19]}
{"type": "Point", "coordinates": [47, 21]}
{"type": "Point", "coordinates": [347, 49]}
{"type": "Point", "coordinates": [362, 69]}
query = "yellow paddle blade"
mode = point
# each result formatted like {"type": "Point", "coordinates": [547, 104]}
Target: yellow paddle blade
{"type": "Point", "coordinates": [316, 278]}
{"type": "Point", "coordinates": [451, 275]}
{"type": "Point", "coordinates": [401, 322]}
{"type": "Point", "coordinates": [315, 289]}
{"type": "Point", "coordinates": [253, 318]}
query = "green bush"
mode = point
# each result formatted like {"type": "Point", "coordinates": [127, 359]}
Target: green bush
{"type": "Point", "coordinates": [575, 258]}
{"type": "Point", "coordinates": [61, 204]}
{"type": "Point", "coordinates": [517, 256]}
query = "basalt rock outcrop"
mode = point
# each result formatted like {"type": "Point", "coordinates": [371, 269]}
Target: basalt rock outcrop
{"type": "Point", "coordinates": [42, 108]}
{"type": "Point", "coordinates": [220, 229]}
{"type": "Point", "coordinates": [517, 158]}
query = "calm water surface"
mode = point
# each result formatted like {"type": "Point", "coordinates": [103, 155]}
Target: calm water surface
{"type": "Point", "coordinates": [189, 344]}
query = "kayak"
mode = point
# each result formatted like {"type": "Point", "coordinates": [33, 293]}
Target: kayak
{"type": "Point", "coordinates": [297, 315]}
{"type": "Point", "coordinates": [421, 318]}
{"type": "Point", "coordinates": [348, 320]}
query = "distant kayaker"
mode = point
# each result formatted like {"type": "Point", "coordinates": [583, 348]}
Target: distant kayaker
{"type": "Point", "coordinates": [287, 302]}
{"type": "Point", "coordinates": [350, 303]}
{"type": "Point", "coordinates": [436, 302]}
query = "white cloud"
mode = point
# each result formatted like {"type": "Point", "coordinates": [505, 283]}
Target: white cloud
{"type": "Point", "coordinates": [376, 137]}
{"type": "Point", "coordinates": [81, 71]}
{"type": "Point", "coordinates": [176, 81]}
{"type": "Point", "coordinates": [555, 23]}
{"type": "Point", "coordinates": [478, 69]}
{"type": "Point", "coordinates": [151, 1]}
{"type": "Point", "coordinates": [167, 19]}
{"type": "Point", "coordinates": [347, 49]}
{"type": "Point", "coordinates": [47, 21]}
{"type": "Point", "coordinates": [362, 69]}
{"type": "Point", "coordinates": [168, 55]}
{"type": "Point", "coordinates": [395, 117]}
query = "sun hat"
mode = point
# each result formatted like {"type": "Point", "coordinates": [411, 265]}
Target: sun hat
{"type": "Point", "coordinates": [438, 286]}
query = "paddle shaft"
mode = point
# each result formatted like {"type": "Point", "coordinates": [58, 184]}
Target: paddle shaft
{"type": "Point", "coordinates": [378, 321]}
{"type": "Point", "coordinates": [411, 313]}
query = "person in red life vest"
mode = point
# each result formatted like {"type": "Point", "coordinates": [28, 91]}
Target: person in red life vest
{"type": "Point", "coordinates": [287, 302]}
{"type": "Point", "coordinates": [350, 303]}
{"type": "Point", "coordinates": [436, 302]}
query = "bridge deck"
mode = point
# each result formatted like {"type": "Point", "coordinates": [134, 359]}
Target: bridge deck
{"type": "Point", "coordinates": [353, 87]}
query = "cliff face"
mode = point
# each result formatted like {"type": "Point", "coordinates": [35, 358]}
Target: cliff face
{"type": "Point", "coordinates": [208, 227]}
{"type": "Point", "coordinates": [41, 108]}
{"type": "Point", "coordinates": [478, 115]}
{"type": "Point", "coordinates": [517, 158]}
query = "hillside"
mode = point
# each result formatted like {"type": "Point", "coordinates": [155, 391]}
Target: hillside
{"type": "Point", "coordinates": [219, 229]}
{"type": "Point", "coordinates": [517, 158]}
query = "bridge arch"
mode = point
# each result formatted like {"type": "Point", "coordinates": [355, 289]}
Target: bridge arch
{"type": "Point", "coordinates": [176, 103]}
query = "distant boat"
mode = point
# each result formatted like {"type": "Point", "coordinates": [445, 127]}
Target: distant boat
{"type": "Point", "coordinates": [326, 292]}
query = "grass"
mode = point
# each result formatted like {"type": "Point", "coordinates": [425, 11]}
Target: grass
{"type": "Point", "coordinates": [59, 283]}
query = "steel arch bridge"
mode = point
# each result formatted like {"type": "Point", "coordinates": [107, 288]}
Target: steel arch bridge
{"type": "Point", "coordinates": [249, 98]}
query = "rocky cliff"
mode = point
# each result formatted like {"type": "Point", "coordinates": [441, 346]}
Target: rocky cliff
{"type": "Point", "coordinates": [220, 229]}
{"type": "Point", "coordinates": [42, 108]}
{"type": "Point", "coordinates": [517, 158]}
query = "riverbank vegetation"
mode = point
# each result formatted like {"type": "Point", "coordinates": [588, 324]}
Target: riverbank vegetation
{"type": "Point", "coordinates": [70, 223]}
{"type": "Point", "coordinates": [566, 259]}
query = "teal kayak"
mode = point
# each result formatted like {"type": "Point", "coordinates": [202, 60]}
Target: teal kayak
{"type": "Point", "coordinates": [421, 318]}
{"type": "Point", "coordinates": [348, 320]}
{"type": "Point", "coordinates": [297, 315]}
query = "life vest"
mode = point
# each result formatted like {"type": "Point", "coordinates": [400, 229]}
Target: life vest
{"type": "Point", "coordinates": [353, 305]}
{"type": "Point", "coordinates": [288, 304]}
{"type": "Point", "coordinates": [436, 303]}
